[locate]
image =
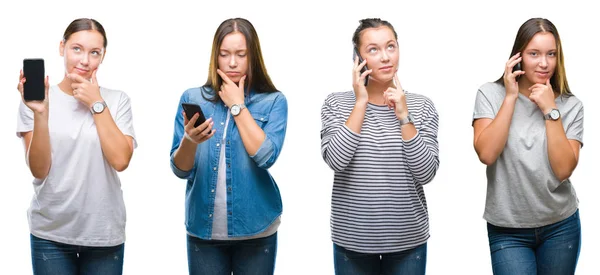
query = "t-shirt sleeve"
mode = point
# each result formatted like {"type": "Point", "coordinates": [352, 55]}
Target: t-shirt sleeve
{"type": "Point", "coordinates": [124, 118]}
{"type": "Point", "coordinates": [24, 120]}
{"type": "Point", "coordinates": [575, 128]}
{"type": "Point", "coordinates": [483, 106]}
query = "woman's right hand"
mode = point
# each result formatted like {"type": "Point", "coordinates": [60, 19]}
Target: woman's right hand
{"type": "Point", "coordinates": [358, 81]}
{"type": "Point", "coordinates": [40, 107]}
{"type": "Point", "coordinates": [198, 134]}
{"type": "Point", "coordinates": [510, 77]}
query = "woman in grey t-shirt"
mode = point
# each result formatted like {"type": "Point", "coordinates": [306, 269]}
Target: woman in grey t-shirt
{"type": "Point", "coordinates": [528, 130]}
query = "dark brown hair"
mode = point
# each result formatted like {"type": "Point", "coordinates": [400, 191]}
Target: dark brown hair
{"type": "Point", "coordinates": [257, 77]}
{"type": "Point", "coordinates": [84, 24]}
{"type": "Point", "coordinates": [526, 32]}
{"type": "Point", "coordinates": [370, 23]}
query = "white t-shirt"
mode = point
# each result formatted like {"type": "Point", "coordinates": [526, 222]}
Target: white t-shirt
{"type": "Point", "coordinates": [80, 202]}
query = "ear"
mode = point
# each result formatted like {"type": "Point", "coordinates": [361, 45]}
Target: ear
{"type": "Point", "coordinates": [61, 48]}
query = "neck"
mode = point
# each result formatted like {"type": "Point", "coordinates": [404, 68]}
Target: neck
{"type": "Point", "coordinates": [65, 86]}
{"type": "Point", "coordinates": [375, 90]}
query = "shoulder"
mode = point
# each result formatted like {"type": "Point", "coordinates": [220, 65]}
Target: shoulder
{"type": "Point", "coordinates": [276, 96]}
{"type": "Point", "coordinates": [108, 94]}
{"type": "Point", "coordinates": [340, 98]}
{"type": "Point", "coordinates": [197, 94]}
{"type": "Point", "coordinates": [492, 88]}
{"type": "Point", "coordinates": [571, 103]}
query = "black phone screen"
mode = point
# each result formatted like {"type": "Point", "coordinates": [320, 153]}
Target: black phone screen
{"type": "Point", "coordinates": [360, 60]}
{"type": "Point", "coordinates": [33, 71]}
{"type": "Point", "coordinates": [190, 110]}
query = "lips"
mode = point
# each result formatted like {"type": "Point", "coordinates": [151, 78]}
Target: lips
{"type": "Point", "coordinates": [81, 71]}
{"type": "Point", "coordinates": [232, 73]}
{"type": "Point", "coordinates": [386, 68]}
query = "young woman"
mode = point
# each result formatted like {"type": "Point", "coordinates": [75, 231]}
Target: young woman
{"type": "Point", "coordinates": [381, 141]}
{"type": "Point", "coordinates": [528, 129]}
{"type": "Point", "coordinates": [76, 140]}
{"type": "Point", "coordinates": [233, 205]}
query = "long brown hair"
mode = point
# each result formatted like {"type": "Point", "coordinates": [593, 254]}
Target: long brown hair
{"type": "Point", "coordinates": [257, 77]}
{"type": "Point", "coordinates": [526, 32]}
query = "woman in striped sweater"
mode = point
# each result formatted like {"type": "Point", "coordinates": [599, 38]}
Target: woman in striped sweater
{"type": "Point", "coordinates": [381, 141]}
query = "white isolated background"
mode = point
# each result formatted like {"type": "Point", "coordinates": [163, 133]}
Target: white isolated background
{"type": "Point", "coordinates": [156, 50]}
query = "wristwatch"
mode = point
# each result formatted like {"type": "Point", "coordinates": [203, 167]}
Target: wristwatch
{"type": "Point", "coordinates": [98, 107]}
{"type": "Point", "coordinates": [408, 119]}
{"type": "Point", "coordinates": [237, 108]}
{"type": "Point", "coordinates": [554, 114]}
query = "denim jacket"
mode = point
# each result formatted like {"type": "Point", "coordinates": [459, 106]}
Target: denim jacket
{"type": "Point", "coordinates": [253, 199]}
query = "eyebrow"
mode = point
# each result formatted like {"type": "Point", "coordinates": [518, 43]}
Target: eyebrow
{"type": "Point", "coordinates": [391, 40]}
{"type": "Point", "coordinates": [77, 44]}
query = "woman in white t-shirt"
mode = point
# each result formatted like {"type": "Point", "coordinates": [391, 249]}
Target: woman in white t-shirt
{"type": "Point", "coordinates": [76, 140]}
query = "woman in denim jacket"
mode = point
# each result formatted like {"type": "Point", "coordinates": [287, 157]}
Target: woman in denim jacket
{"type": "Point", "coordinates": [233, 205]}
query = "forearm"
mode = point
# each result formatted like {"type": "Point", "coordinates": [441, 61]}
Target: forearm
{"type": "Point", "coordinates": [491, 141]}
{"type": "Point", "coordinates": [184, 156]}
{"type": "Point", "coordinates": [560, 153]}
{"type": "Point", "coordinates": [39, 152]}
{"type": "Point", "coordinates": [115, 146]}
{"type": "Point", "coordinates": [252, 135]}
{"type": "Point", "coordinates": [357, 116]}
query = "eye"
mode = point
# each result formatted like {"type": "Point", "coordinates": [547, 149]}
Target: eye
{"type": "Point", "coordinates": [552, 54]}
{"type": "Point", "coordinates": [533, 53]}
{"type": "Point", "coordinates": [76, 49]}
{"type": "Point", "coordinates": [372, 50]}
{"type": "Point", "coordinates": [223, 54]}
{"type": "Point", "coordinates": [242, 55]}
{"type": "Point", "coordinates": [95, 52]}
{"type": "Point", "coordinates": [391, 46]}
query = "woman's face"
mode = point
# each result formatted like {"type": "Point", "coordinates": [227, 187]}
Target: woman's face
{"type": "Point", "coordinates": [539, 58]}
{"type": "Point", "coordinates": [233, 56]}
{"type": "Point", "coordinates": [83, 52]}
{"type": "Point", "coordinates": [380, 48]}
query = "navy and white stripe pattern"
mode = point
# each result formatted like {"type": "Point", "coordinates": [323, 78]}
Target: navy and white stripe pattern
{"type": "Point", "coordinates": [378, 204]}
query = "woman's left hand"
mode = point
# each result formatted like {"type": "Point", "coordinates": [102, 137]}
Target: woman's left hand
{"type": "Point", "coordinates": [543, 96]}
{"type": "Point", "coordinates": [230, 92]}
{"type": "Point", "coordinates": [396, 99]}
{"type": "Point", "coordinates": [86, 91]}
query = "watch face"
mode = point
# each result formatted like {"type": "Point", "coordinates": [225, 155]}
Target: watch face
{"type": "Point", "coordinates": [98, 107]}
{"type": "Point", "coordinates": [554, 114]}
{"type": "Point", "coordinates": [235, 109]}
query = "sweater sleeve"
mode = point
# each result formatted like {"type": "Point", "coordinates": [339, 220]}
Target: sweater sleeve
{"type": "Point", "coordinates": [422, 151]}
{"type": "Point", "coordinates": [338, 142]}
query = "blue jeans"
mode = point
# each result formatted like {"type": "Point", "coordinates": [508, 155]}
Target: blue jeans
{"type": "Point", "coordinates": [215, 257]}
{"type": "Point", "coordinates": [49, 257]}
{"type": "Point", "coordinates": [548, 250]}
{"type": "Point", "coordinates": [410, 261]}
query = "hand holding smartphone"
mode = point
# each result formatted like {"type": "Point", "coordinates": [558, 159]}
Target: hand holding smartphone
{"type": "Point", "coordinates": [360, 60]}
{"type": "Point", "coordinates": [517, 67]}
{"type": "Point", "coordinates": [190, 110]}
{"type": "Point", "coordinates": [34, 88]}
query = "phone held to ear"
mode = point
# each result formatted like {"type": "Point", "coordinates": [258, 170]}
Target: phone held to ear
{"type": "Point", "coordinates": [517, 67]}
{"type": "Point", "coordinates": [34, 88]}
{"type": "Point", "coordinates": [360, 60]}
{"type": "Point", "coordinates": [190, 110]}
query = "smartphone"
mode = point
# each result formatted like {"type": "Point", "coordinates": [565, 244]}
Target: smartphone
{"type": "Point", "coordinates": [191, 109]}
{"type": "Point", "coordinates": [360, 60]}
{"type": "Point", "coordinates": [517, 67]}
{"type": "Point", "coordinates": [33, 71]}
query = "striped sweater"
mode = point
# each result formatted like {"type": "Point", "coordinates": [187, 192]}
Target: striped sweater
{"type": "Point", "coordinates": [378, 204]}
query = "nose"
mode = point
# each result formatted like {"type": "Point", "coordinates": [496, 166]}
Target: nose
{"type": "Point", "coordinates": [84, 59]}
{"type": "Point", "coordinates": [232, 62]}
{"type": "Point", "coordinates": [544, 62]}
{"type": "Point", "coordinates": [385, 57]}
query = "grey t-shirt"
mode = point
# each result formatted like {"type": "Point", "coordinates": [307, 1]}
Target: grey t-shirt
{"type": "Point", "coordinates": [522, 190]}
